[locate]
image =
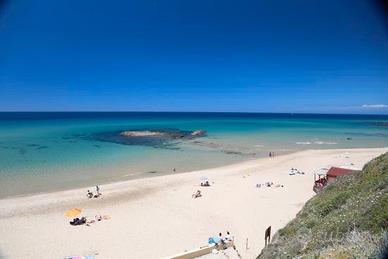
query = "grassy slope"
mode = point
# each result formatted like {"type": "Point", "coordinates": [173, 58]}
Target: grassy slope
{"type": "Point", "coordinates": [349, 219]}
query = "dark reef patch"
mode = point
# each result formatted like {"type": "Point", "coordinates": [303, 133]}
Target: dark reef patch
{"type": "Point", "coordinates": [158, 138]}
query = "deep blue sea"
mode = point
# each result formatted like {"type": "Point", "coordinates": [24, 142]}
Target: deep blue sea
{"type": "Point", "coordinates": [60, 150]}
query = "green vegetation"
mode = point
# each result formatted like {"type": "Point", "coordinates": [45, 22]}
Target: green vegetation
{"type": "Point", "coordinates": [348, 219]}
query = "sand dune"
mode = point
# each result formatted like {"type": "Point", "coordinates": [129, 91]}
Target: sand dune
{"type": "Point", "coordinates": [157, 217]}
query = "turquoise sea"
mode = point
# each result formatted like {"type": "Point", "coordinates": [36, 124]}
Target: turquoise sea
{"type": "Point", "coordinates": [53, 151]}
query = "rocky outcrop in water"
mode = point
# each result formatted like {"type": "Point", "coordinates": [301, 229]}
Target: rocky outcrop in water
{"type": "Point", "coordinates": [161, 138]}
{"type": "Point", "coordinates": [173, 134]}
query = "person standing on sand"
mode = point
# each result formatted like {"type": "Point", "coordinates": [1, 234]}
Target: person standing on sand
{"type": "Point", "coordinates": [98, 190]}
{"type": "Point", "coordinates": [228, 237]}
{"type": "Point", "coordinates": [221, 238]}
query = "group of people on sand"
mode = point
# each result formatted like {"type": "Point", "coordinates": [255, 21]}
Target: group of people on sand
{"type": "Point", "coordinates": [78, 221]}
{"type": "Point", "coordinates": [91, 195]}
{"type": "Point", "coordinates": [320, 183]}
{"type": "Point", "coordinates": [220, 239]}
{"type": "Point", "coordinates": [86, 221]}
{"type": "Point", "coordinates": [294, 171]}
{"type": "Point", "coordinates": [269, 184]}
{"type": "Point", "coordinates": [227, 237]}
{"type": "Point", "coordinates": [96, 219]}
{"type": "Point", "coordinates": [271, 154]}
{"type": "Point", "coordinates": [205, 184]}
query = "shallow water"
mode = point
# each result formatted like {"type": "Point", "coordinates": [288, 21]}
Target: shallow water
{"type": "Point", "coordinates": [52, 151]}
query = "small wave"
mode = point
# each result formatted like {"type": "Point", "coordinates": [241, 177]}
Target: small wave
{"type": "Point", "coordinates": [316, 143]}
{"type": "Point", "coordinates": [303, 143]}
{"type": "Point", "coordinates": [325, 143]}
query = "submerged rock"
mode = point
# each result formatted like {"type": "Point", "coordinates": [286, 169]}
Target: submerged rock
{"type": "Point", "coordinates": [160, 138]}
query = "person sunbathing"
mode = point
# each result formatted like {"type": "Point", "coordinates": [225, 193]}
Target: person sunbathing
{"type": "Point", "coordinates": [78, 221]}
{"type": "Point", "coordinates": [74, 221]}
{"type": "Point", "coordinates": [90, 221]}
{"type": "Point", "coordinates": [197, 194]}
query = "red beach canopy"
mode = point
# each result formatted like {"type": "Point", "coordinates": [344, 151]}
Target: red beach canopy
{"type": "Point", "coordinates": [337, 171]}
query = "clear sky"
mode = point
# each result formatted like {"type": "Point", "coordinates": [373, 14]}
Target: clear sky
{"type": "Point", "coordinates": [173, 55]}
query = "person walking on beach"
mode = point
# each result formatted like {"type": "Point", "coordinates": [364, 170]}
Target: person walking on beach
{"type": "Point", "coordinates": [98, 190]}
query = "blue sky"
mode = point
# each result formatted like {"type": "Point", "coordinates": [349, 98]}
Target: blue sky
{"type": "Point", "coordinates": [173, 55]}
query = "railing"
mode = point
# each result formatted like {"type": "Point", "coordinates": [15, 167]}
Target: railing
{"type": "Point", "coordinates": [200, 251]}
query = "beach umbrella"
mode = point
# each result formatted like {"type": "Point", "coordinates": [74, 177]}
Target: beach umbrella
{"type": "Point", "coordinates": [73, 212]}
{"type": "Point", "coordinates": [214, 240]}
{"type": "Point", "coordinates": [322, 171]}
{"type": "Point", "coordinates": [204, 179]}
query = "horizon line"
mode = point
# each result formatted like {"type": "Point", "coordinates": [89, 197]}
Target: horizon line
{"type": "Point", "coordinates": [246, 112]}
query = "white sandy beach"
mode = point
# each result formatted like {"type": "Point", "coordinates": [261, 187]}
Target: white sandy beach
{"type": "Point", "coordinates": [157, 217]}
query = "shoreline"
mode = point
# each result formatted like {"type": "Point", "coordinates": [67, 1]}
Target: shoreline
{"type": "Point", "coordinates": [137, 207]}
{"type": "Point", "coordinates": [144, 175]}
{"type": "Point", "coordinates": [111, 189]}
{"type": "Point", "coordinates": [138, 176]}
